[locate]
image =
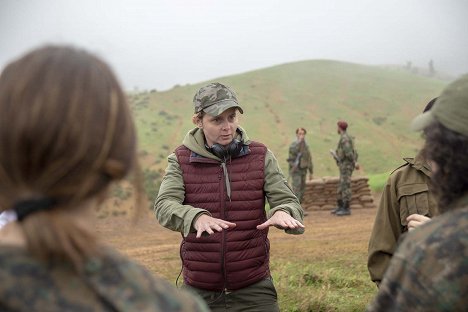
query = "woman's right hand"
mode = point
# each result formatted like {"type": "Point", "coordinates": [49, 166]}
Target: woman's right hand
{"type": "Point", "coordinates": [206, 223]}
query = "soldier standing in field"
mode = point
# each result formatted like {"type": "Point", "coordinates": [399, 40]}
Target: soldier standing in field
{"type": "Point", "coordinates": [346, 159]}
{"type": "Point", "coordinates": [300, 162]}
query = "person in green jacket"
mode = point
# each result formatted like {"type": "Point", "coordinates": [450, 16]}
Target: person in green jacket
{"type": "Point", "coordinates": [66, 136]}
{"type": "Point", "coordinates": [406, 203]}
{"type": "Point", "coordinates": [428, 271]}
{"type": "Point", "coordinates": [300, 163]}
{"type": "Point", "coordinates": [224, 201]}
{"type": "Point", "coordinates": [346, 160]}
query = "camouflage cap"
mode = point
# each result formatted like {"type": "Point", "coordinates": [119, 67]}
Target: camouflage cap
{"type": "Point", "coordinates": [450, 109]}
{"type": "Point", "coordinates": [214, 99]}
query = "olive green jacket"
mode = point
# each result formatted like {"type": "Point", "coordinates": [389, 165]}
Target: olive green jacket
{"type": "Point", "coordinates": [173, 214]}
{"type": "Point", "coordinates": [406, 192]}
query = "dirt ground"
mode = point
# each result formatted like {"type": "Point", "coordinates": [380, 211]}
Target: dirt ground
{"type": "Point", "coordinates": [157, 248]}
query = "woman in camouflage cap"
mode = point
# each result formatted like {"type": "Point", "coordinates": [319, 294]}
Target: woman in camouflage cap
{"type": "Point", "coordinates": [66, 134]}
{"type": "Point", "coordinates": [214, 194]}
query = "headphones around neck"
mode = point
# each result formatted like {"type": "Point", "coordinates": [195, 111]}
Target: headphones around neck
{"type": "Point", "coordinates": [233, 149]}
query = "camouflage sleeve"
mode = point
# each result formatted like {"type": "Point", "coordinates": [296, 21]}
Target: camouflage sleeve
{"type": "Point", "coordinates": [292, 154]}
{"type": "Point", "coordinates": [339, 149]}
{"type": "Point", "coordinates": [348, 150]}
{"type": "Point", "coordinates": [404, 288]}
{"type": "Point", "coordinates": [129, 286]}
{"type": "Point", "coordinates": [419, 277]}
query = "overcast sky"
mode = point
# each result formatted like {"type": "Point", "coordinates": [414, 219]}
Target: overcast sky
{"type": "Point", "coordinates": [155, 44]}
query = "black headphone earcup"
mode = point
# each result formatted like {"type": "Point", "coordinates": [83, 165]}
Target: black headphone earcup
{"type": "Point", "coordinates": [219, 151]}
{"type": "Point", "coordinates": [233, 149]}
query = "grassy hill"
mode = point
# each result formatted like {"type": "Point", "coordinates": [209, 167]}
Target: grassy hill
{"type": "Point", "coordinates": [377, 103]}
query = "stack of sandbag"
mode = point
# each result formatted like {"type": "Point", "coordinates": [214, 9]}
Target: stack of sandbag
{"type": "Point", "coordinates": [320, 194]}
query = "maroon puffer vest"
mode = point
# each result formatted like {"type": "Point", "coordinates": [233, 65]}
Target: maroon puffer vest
{"type": "Point", "coordinates": [236, 258]}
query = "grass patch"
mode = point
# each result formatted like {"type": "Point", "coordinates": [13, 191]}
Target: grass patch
{"type": "Point", "coordinates": [322, 285]}
{"type": "Point", "coordinates": [377, 181]}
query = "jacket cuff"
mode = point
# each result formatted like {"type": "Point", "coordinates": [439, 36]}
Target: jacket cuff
{"type": "Point", "coordinates": [192, 217]}
{"type": "Point", "coordinates": [295, 213]}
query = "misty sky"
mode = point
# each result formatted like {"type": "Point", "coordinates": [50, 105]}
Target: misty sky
{"type": "Point", "coordinates": [155, 44]}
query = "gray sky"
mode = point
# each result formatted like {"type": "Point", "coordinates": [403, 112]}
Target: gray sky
{"type": "Point", "coordinates": [155, 44]}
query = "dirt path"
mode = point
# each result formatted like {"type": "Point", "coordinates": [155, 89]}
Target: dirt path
{"type": "Point", "coordinates": [158, 248]}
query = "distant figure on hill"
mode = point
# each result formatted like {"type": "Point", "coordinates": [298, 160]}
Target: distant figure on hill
{"type": "Point", "coordinates": [214, 193]}
{"type": "Point", "coordinates": [428, 271]}
{"type": "Point", "coordinates": [346, 157]}
{"type": "Point", "coordinates": [300, 162]}
{"type": "Point", "coordinates": [406, 202]}
{"type": "Point", "coordinates": [66, 134]}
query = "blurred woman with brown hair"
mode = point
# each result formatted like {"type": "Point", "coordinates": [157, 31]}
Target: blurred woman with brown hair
{"type": "Point", "coordinates": [66, 133]}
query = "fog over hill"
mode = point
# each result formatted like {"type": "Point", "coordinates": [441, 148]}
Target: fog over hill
{"type": "Point", "coordinates": [156, 44]}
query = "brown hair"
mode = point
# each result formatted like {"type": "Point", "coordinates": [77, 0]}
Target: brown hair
{"type": "Point", "coordinates": [447, 149]}
{"type": "Point", "coordinates": [198, 116]}
{"type": "Point", "coordinates": [300, 128]}
{"type": "Point", "coordinates": [65, 134]}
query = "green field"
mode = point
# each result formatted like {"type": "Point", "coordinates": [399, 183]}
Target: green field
{"type": "Point", "coordinates": [378, 104]}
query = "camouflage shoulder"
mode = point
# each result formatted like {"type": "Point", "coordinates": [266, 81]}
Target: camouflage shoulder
{"type": "Point", "coordinates": [293, 145]}
{"type": "Point", "coordinates": [112, 278]}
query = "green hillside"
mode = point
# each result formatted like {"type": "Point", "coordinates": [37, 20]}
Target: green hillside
{"type": "Point", "coordinates": [377, 103]}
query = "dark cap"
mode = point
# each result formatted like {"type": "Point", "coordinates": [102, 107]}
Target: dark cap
{"type": "Point", "coordinates": [214, 99]}
{"type": "Point", "coordinates": [450, 109]}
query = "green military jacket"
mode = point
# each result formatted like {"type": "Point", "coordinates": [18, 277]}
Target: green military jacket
{"type": "Point", "coordinates": [429, 269]}
{"type": "Point", "coordinates": [173, 214]}
{"type": "Point", "coordinates": [345, 151]}
{"type": "Point", "coordinates": [406, 192]}
{"type": "Point", "coordinates": [111, 282]}
{"type": "Point", "coordinates": [300, 157]}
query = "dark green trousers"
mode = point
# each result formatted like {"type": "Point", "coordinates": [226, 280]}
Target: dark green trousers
{"type": "Point", "coordinates": [259, 297]}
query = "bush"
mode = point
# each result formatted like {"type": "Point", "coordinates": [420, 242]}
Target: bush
{"type": "Point", "coordinates": [377, 181]}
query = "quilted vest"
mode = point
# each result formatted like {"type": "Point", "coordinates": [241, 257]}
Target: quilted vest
{"type": "Point", "coordinates": [235, 258]}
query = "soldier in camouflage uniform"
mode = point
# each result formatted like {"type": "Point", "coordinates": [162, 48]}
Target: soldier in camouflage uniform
{"type": "Point", "coordinates": [428, 272]}
{"type": "Point", "coordinates": [300, 162]}
{"type": "Point", "coordinates": [66, 135]}
{"type": "Point", "coordinates": [346, 159]}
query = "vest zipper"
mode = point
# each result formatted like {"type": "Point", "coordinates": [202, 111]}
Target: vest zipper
{"type": "Point", "coordinates": [223, 216]}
